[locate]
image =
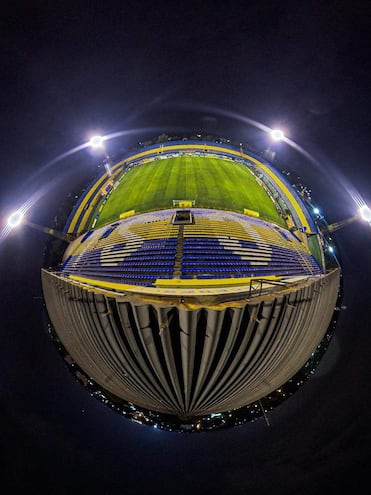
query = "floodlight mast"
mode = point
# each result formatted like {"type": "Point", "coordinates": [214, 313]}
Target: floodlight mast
{"type": "Point", "coordinates": [276, 135]}
{"type": "Point", "coordinates": [364, 213]}
{"type": "Point", "coordinates": [53, 232]}
{"type": "Point", "coordinates": [97, 142]}
{"type": "Point", "coordinates": [17, 218]}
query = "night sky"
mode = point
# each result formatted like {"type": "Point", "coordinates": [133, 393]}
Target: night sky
{"type": "Point", "coordinates": [70, 69]}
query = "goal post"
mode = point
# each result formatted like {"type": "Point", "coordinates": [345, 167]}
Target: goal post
{"type": "Point", "coordinates": [184, 203]}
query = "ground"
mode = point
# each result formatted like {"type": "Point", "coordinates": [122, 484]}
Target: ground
{"type": "Point", "coordinates": [211, 182]}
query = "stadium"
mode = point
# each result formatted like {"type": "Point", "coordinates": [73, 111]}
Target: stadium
{"type": "Point", "coordinates": [198, 291]}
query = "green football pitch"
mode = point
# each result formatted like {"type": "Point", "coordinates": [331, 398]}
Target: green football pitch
{"type": "Point", "coordinates": [212, 182]}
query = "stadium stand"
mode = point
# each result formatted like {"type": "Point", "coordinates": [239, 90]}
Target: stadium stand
{"type": "Point", "coordinates": [218, 245]}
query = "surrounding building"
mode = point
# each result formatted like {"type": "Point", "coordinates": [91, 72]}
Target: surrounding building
{"type": "Point", "coordinates": [199, 289]}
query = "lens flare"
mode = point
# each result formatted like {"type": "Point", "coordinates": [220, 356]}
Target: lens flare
{"type": "Point", "coordinates": [15, 219]}
{"type": "Point", "coordinates": [62, 174]}
{"type": "Point", "coordinates": [106, 137]}
{"type": "Point", "coordinates": [29, 203]}
{"type": "Point", "coordinates": [277, 135]}
{"type": "Point", "coordinates": [365, 213]}
{"type": "Point", "coordinates": [96, 141]}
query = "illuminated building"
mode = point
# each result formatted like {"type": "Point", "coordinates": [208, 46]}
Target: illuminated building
{"type": "Point", "coordinates": [195, 308]}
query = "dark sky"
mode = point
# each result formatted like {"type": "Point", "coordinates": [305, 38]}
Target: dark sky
{"type": "Point", "coordinates": [69, 68]}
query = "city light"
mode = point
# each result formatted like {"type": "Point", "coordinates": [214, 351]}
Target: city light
{"type": "Point", "coordinates": [277, 134]}
{"type": "Point", "coordinates": [15, 219]}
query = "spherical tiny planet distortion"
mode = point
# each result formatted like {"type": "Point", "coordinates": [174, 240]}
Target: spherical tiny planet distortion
{"type": "Point", "coordinates": [198, 290]}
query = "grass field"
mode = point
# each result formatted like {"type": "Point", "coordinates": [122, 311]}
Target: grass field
{"type": "Point", "coordinates": [211, 182]}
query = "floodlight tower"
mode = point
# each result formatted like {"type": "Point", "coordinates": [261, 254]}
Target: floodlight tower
{"type": "Point", "coordinates": [17, 218]}
{"type": "Point", "coordinates": [97, 142]}
{"type": "Point", "coordinates": [276, 136]}
{"type": "Point", "coordinates": [364, 213]}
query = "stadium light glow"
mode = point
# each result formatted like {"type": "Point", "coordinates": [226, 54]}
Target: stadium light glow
{"type": "Point", "coordinates": [96, 142]}
{"type": "Point", "coordinates": [365, 213]}
{"type": "Point", "coordinates": [108, 168]}
{"type": "Point", "coordinates": [277, 134]}
{"type": "Point", "coordinates": [15, 219]}
{"type": "Point", "coordinates": [316, 211]}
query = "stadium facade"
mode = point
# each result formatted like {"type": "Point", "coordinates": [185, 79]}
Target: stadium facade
{"type": "Point", "coordinates": [201, 301]}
